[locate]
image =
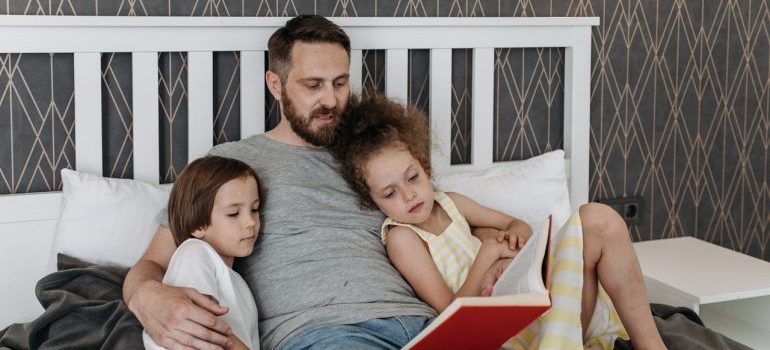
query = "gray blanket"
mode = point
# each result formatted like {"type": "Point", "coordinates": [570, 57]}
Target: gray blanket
{"type": "Point", "coordinates": [681, 328]}
{"type": "Point", "coordinates": [83, 310]}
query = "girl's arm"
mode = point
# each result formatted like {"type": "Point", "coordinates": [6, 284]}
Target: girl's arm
{"type": "Point", "coordinates": [411, 257]}
{"type": "Point", "coordinates": [492, 224]}
{"type": "Point", "coordinates": [490, 252]}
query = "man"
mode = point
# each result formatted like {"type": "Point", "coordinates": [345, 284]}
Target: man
{"type": "Point", "coordinates": [319, 273]}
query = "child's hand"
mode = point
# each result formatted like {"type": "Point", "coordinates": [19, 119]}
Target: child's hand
{"type": "Point", "coordinates": [516, 236]}
{"type": "Point", "coordinates": [499, 250]}
{"type": "Point", "coordinates": [492, 275]}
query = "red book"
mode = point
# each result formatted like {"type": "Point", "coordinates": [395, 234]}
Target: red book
{"type": "Point", "coordinates": [519, 297]}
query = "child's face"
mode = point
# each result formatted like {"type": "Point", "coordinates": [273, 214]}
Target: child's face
{"type": "Point", "coordinates": [399, 185]}
{"type": "Point", "coordinates": [234, 219]}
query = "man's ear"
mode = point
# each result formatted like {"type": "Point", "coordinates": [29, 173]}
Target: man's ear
{"type": "Point", "coordinates": [273, 84]}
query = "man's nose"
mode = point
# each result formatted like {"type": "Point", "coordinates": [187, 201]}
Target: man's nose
{"type": "Point", "coordinates": [328, 97]}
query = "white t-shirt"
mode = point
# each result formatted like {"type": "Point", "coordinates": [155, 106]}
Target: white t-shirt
{"type": "Point", "coordinates": [195, 264]}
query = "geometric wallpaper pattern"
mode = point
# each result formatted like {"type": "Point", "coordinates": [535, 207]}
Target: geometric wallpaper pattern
{"type": "Point", "coordinates": [681, 116]}
{"type": "Point", "coordinates": [117, 116]}
{"type": "Point", "coordinates": [172, 85]}
{"type": "Point", "coordinates": [37, 115]}
{"type": "Point", "coordinates": [680, 101]}
{"type": "Point", "coordinates": [227, 84]}
{"type": "Point", "coordinates": [529, 102]}
{"type": "Point", "coordinates": [462, 77]}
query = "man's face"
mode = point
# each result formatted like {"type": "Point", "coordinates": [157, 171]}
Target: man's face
{"type": "Point", "coordinates": [316, 90]}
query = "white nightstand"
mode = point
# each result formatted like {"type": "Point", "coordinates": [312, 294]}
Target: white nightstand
{"type": "Point", "coordinates": [729, 290]}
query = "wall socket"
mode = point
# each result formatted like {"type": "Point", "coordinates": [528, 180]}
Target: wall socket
{"type": "Point", "coordinates": [631, 209]}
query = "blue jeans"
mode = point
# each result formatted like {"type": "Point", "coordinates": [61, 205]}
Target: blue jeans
{"type": "Point", "coordinates": [380, 333]}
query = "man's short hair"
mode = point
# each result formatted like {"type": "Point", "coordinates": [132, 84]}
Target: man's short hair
{"type": "Point", "coordinates": [306, 28]}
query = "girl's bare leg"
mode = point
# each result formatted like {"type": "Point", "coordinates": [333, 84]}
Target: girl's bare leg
{"type": "Point", "coordinates": [609, 257]}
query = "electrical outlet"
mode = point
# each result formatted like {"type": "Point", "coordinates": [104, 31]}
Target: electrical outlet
{"type": "Point", "coordinates": [631, 209]}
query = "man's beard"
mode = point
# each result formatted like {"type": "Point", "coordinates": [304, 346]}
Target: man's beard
{"type": "Point", "coordinates": [323, 136]}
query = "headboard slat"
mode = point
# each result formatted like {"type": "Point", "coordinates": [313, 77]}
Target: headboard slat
{"type": "Point", "coordinates": [145, 109]}
{"type": "Point", "coordinates": [356, 70]}
{"type": "Point", "coordinates": [483, 106]}
{"type": "Point", "coordinates": [577, 109]}
{"type": "Point", "coordinates": [397, 74]}
{"type": "Point", "coordinates": [88, 112]}
{"type": "Point", "coordinates": [441, 108]}
{"type": "Point", "coordinates": [200, 99]}
{"type": "Point", "coordinates": [252, 93]}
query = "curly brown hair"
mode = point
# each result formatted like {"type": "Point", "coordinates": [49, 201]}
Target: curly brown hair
{"type": "Point", "coordinates": [371, 125]}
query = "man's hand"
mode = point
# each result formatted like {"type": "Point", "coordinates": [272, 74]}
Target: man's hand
{"type": "Point", "coordinates": [180, 318]}
{"type": "Point", "coordinates": [491, 276]}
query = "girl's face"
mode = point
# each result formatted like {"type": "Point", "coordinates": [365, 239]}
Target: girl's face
{"type": "Point", "coordinates": [399, 185]}
{"type": "Point", "coordinates": [234, 219]}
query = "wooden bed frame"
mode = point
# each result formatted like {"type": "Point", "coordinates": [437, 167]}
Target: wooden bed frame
{"type": "Point", "coordinates": [26, 235]}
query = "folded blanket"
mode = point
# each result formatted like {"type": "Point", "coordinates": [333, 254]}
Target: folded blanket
{"type": "Point", "coordinates": [84, 309]}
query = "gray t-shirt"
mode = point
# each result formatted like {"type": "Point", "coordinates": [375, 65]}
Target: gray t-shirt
{"type": "Point", "coordinates": [318, 259]}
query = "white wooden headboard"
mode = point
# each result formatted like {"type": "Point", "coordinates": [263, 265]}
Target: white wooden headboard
{"type": "Point", "coordinates": [26, 235]}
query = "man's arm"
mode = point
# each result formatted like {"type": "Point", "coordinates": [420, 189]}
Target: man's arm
{"type": "Point", "coordinates": [152, 265]}
{"type": "Point", "coordinates": [176, 318]}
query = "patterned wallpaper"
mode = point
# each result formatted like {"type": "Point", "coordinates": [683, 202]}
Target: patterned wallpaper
{"type": "Point", "coordinates": [680, 101]}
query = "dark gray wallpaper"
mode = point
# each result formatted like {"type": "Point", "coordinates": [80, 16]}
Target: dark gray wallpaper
{"type": "Point", "coordinates": [117, 116]}
{"type": "Point", "coordinates": [680, 102]}
{"type": "Point", "coordinates": [172, 86]}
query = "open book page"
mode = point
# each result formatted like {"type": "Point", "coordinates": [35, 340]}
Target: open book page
{"type": "Point", "coordinates": [524, 274]}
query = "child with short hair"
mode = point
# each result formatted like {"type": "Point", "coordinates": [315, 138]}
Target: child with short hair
{"type": "Point", "coordinates": [213, 214]}
{"type": "Point", "coordinates": [383, 148]}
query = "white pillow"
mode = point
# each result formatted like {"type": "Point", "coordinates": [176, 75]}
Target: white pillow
{"type": "Point", "coordinates": [106, 221]}
{"type": "Point", "coordinates": [527, 189]}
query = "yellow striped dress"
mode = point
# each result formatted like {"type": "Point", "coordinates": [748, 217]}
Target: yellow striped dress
{"type": "Point", "coordinates": [560, 327]}
{"type": "Point", "coordinates": [454, 250]}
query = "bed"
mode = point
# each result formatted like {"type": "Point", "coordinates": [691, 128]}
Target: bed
{"type": "Point", "coordinates": [30, 223]}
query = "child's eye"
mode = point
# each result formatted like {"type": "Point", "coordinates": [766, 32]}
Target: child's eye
{"type": "Point", "coordinates": [414, 177]}
{"type": "Point", "coordinates": [390, 194]}
{"type": "Point", "coordinates": [232, 215]}
{"type": "Point", "coordinates": [255, 210]}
